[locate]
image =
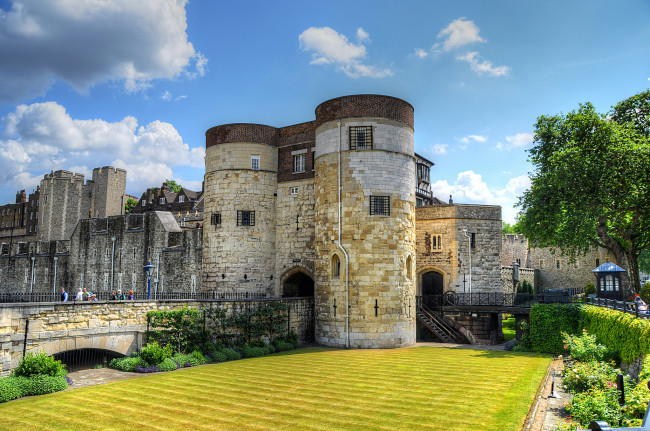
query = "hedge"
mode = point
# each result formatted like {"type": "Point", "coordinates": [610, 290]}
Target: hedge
{"type": "Point", "coordinates": [547, 321]}
{"type": "Point", "coordinates": [617, 330]}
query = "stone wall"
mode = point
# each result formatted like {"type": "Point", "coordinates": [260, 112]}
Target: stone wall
{"type": "Point", "coordinates": [450, 256]}
{"type": "Point", "coordinates": [555, 271]}
{"type": "Point", "coordinates": [527, 274]}
{"type": "Point", "coordinates": [116, 326]}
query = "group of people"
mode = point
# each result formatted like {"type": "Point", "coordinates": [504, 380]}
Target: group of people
{"type": "Point", "coordinates": [84, 295]}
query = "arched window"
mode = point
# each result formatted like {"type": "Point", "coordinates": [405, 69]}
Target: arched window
{"type": "Point", "coordinates": [336, 266]}
{"type": "Point", "coordinates": [439, 243]}
{"type": "Point", "coordinates": [434, 242]}
{"type": "Point", "coordinates": [409, 268]}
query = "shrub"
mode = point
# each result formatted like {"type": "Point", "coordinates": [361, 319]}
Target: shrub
{"type": "Point", "coordinates": [211, 349]}
{"type": "Point", "coordinates": [128, 364]}
{"type": "Point", "coordinates": [618, 331]}
{"type": "Point", "coordinates": [10, 389]}
{"type": "Point", "coordinates": [598, 404]}
{"type": "Point", "coordinates": [547, 321]}
{"type": "Point", "coordinates": [271, 348]}
{"type": "Point", "coordinates": [33, 364]}
{"type": "Point", "coordinates": [282, 346]}
{"type": "Point", "coordinates": [230, 354]}
{"type": "Point", "coordinates": [153, 354]}
{"type": "Point", "coordinates": [168, 364]}
{"type": "Point", "coordinates": [143, 368]}
{"type": "Point", "coordinates": [198, 356]}
{"type": "Point", "coordinates": [257, 343]}
{"type": "Point", "coordinates": [187, 360]}
{"type": "Point", "coordinates": [590, 288]}
{"type": "Point", "coordinates": [584, 348]}
{"type": "Point", "coordinates": [41, 384]}
{"type": "Point", "coordinates": [252, 352]}
{"type": "Point", "coordinates": [645, 292]}
{"type": "Point", "coordinates": [584, 376]}
{"type": "Point", "coordinates": [219, 357]}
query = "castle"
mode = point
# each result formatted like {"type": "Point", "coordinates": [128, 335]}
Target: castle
{"type": "Point", "coordinates": [338, 208]}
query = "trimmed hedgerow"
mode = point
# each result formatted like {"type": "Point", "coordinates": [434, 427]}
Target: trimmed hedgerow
{"type": "Point", "coordinates": [219, 357]}
{"type": "Point", "coordinates": [11, 388]}
{"type": "Point", "coordinates": [620, 331]}
{"type": "Point", "coordinates": [548, 321]}
{"type": "Point", "coordinates": [41, 384]}
{"type": "Point", "coordinates": [253, 352]}
{"type": "Point", "coordinates": [168, 364]}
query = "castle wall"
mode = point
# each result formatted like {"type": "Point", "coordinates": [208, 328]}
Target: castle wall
{"type": "Point", "coordinates": [109, 192]}
{"type": "Point", "coordinates": [381, 286]}
{"type": "Point", "coordinates": [294, 238]}
{"type": "Point", "coordinates": [239, 258]}
{"type": "Point", "coordinates": [61, 205]}
{"type": "Point", "coordinates": [451, 260]}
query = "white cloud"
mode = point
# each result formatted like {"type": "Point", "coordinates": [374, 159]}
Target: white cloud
{"type": "Point", "coordinates": [84, 43]}
{"type": "Point", "coordinates": [420, 53]}
{"type": "Point", "coordinates": [362, 35]}
{"type": "Point", "coordinates": [439, 148]}
{"type": "Point", "coordinates": [470, 188]}
{"type": "Point", "coordinates": [518, 140]}
{"type": "Point", "coordinates": [330, 47]}
{"type": "Point", "coordinates": [475, 138]}
{"type": "Point", "coordinates": [166, 96]}
{"type": "Point", "coordinates": [44, 137]}
{"type": "Point", "coordinates": [459, 33]}
{"type": "Point", "coordinates": [480, 67]}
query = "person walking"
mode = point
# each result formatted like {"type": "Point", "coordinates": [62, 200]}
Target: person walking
{"type": "Point", "coordinates": [79, 296]}
{"type": "Point", "coordinates": [64, 295]}
{"type": "Point", "coordinates": [120, 295]}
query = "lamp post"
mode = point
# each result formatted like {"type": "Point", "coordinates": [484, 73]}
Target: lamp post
{"type": "Point", "coordinates": [469, 253]}
{"type": "Point", "coordinates": [147, 269]}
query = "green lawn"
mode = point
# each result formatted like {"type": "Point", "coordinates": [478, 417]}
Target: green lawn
{"type": "Point", "coordinates": [311, 388]}
{"type": "Point", "coordinates": [508, 325]}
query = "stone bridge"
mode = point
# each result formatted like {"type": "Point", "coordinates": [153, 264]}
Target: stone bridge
{"type": "Point", "coordinates": [117, 326]}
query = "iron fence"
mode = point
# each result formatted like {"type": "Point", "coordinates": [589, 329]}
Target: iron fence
{"type": "Point", "coordinates": [625, 307]}
{"type": "Point", "coordinates": [498, 299]}
{"type": "Point", "coordinates": [106, 296]}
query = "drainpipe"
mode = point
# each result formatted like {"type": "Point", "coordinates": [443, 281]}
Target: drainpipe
{"type": "Point", "coordinates": [31, 281]}
{"type": "Point", "coordinates": [469, 253]}
{"type": "Point", "coordinates": [55, 262]}
{"type": "Point", "coordinates": [113, 265]}
{"type": "Point", "coordinates": [345, 253]}
{"type": "Point", "coordinates": [156, 279]}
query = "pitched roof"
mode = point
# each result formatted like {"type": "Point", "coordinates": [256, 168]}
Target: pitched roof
{"type": "Point", "coordinates": [608, 267]}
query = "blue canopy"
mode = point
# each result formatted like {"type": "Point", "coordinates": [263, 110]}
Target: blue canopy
{"type": "Point", "coordinates": [609, 267]}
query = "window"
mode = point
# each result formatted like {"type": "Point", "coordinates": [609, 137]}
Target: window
{"type": "Point", "coordinates": [181, 199]}
{"type": "Point", "coordinates": [361, 137]}
{"type": "Point", "coordinates": [597, 263]}
{"type": "Point", "coordinates": [294, 190]}
{"type": "Point", "coordinates": [473, 240]}
{"type": "Point", "coordinates": [557, 263]}
{"type": "Point", "coordinates": [380, 205]}
{"type": "Point", "coordinates": [36, 216]}
{"type": "Point", "coordinates": [409, 267]}
{"type": "Point", "coordinates": [439, 242]}
{"type": "Point", "coordinates": [336, 266]}
{"type": "Point", "coordinates": [161, 201]}
{"type": "Point", "coordinates": [144, 202]}
{"type": "Point", "coordinates": [313, 159]}
{"type": "Point", "coordinates": [298, 163]}
{"type": "Point", "coordinates": [434, 242]}
{"type": "Point", "coordinates": [519, 262]}
{"type": "Point", "coordinates": [576, 265]}
{"type": "Point", "coordinates": [255, 163]}
{"type": "Point", "coordinates": [215, 219]}
{"type": "Point", "coordinates": [541, 264]}
{"type": "Point", "coordinates": [31, 216]}
{"type": "Point", "coordinates": [609, 283]}
{"type": "Point", "coordinates": [245, 218]}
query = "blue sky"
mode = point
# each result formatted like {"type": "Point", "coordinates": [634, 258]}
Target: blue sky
{"type": "Point", "coordinates": [136, 84]}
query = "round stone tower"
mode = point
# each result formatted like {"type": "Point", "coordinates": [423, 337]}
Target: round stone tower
{"type": "Point", "coordinates": [365, 222]}
{"type": "Point", "coordinates": [241, 164]}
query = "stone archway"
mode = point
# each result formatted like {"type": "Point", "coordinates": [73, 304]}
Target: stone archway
{"type": "Point", "coordinates": [297, 283]}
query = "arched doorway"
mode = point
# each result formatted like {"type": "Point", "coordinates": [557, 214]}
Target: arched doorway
{"type": "Point", "coordinates": [432, 287]}
{"type": "Point", "coordinates": [298, 284]}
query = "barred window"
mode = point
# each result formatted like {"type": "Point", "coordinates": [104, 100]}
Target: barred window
{"type": "Point", "coordinates": [361, 137]}
{"type": "Point", "coordinates": [294, 190]}
{"type": "Point", "coordinates": [299, 163]}
{"type": "Point", "coordinates": [245, 218]}
{"type": "Point", "coordinates": [255, 163]}
{"type": "Point", "coordinates": [215, 219]}
{"type": "Point", "coordinates": [473, 240]}
{"type": "Point", "coordinates": [380, 205]}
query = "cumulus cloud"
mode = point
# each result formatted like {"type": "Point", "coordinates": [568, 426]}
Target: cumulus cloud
{"type": "Point", "coordinates": [362, 35]}
{"type": "Point", "coordinates": [439, 148]}
{"type": "Point", "coordinates": [459, 33]}
{"type": "Point", "coordinates": [469, 187]}
{"type": "Point", "coordinates": [330, 47]}
{"type": "Point", "coordinates": [482, 66]}
{"type": "Point", "coordinates": [518, 140]}
{"type": "Point", "coordinates": [84, 43]}
{"type": "Point", "coordinates": [43, 136]}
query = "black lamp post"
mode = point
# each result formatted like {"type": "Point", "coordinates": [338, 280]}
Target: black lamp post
{"type": "Point", "coordinates": [148, 268]}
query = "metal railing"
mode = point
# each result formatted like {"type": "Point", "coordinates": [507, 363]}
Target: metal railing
{"type": "Point", "coordinates": [106, 296]}
{"type": "Point", "coordinates": [625, 307]}
{"type": "Point", "coordinates": [498, 299]}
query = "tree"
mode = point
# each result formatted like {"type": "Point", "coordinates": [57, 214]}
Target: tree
{"type": "Point", "coordinates": [590, 186]}
{"type": "Point", "coordinates": [508, 228]}
{"type": "Point", "coordinates": [644, 261]}
{"type": "Point", "coordinates": [173, 186]}
{"type": "Point", "coordinates": [128, 206]}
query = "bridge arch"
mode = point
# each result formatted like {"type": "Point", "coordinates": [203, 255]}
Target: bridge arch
{"type": "Point", "coordinates": [297, 281]}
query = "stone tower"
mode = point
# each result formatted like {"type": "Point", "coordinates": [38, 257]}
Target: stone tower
{"type": "Point", "coordinates": [241, 164]}
{"type": "Point", "coordinates": [364, 148]}
{"type": "Point", "coordinates": [109, 192]}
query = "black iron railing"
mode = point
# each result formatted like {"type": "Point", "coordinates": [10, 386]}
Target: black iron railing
{"type": "Point", "coordinates": [626, 307]}
{"type": "Point", "coordinates": [106, 296]}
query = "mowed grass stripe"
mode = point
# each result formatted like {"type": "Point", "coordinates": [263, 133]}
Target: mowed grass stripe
{"type": "Point", "coordinates": [314, 388]}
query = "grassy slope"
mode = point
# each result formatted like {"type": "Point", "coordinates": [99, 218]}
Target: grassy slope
{"type": "Point", "coordinates": [313, 388]}
{"type": "Point", "coordinates": [509, 329]}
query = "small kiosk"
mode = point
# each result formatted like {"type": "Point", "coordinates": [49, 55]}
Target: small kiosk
{"type": "Point", "coordinates": [608, 281]}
